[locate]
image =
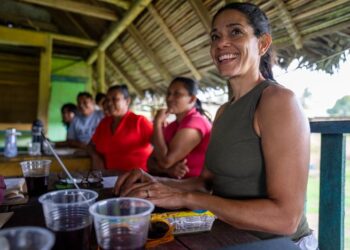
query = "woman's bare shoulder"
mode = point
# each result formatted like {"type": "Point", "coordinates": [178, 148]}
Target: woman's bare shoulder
{"type": "Point", "coordinates": [277, 95]}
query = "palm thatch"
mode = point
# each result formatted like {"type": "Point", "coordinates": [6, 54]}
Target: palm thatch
{"type": "Point", "coordinates": [146, 43]}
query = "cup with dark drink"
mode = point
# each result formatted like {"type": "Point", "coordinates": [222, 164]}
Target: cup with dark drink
{"type": "Point", "coordinates": [36, 174]}
{"type": "Point", "coordinates": [121, 223]}
{"type": "Point", "coordinates": [66, 213]}
{"type": "Point", "coordinates": [23, 238]}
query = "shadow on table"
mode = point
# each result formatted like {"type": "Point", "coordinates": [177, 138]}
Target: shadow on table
{"type": "Point", "coordinates": [274, 244]}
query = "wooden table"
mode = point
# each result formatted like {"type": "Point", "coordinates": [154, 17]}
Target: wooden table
{"type": "Point", "coordinates": [10, 167]}
{"type": "Point", "coordinates": [220, 236]}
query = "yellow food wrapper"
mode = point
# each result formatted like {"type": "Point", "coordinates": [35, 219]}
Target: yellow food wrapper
{"type": "Point", "coordinates": [187, 221]}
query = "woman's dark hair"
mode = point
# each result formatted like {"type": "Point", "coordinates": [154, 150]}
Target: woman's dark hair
{"type": "Point", "coordinates": [261, 25]}
{"type": "Point", "coordinates": [70, 107]}
{"type": "Point", "coordinates": [122, 89]}
{"type": "Point", "coordinates": [192, 88]}
{"type": "Point", "coordinates": [99, 96]}
{"type": "Point", "coordinates": [85, 94]}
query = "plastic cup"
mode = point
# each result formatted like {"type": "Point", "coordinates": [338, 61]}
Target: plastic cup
{"type": "Point", "coordinates": [26, 238]}
{"type": "Point", "coordinates": [121, 223]}
{"type": "Point", "coordinates": [36, 174]}
{"type": "Point", "coordinates": [67, 214]}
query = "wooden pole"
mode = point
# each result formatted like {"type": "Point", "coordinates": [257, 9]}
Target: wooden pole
{"type": "Point", "coordinates": [119, 27]}
{"type": "Point", "coordinates": [45, 82]}
{"type": "Point", "coordinates": [101, 59]}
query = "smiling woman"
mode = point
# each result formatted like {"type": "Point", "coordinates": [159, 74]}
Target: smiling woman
{"type": "Point", "coordinates": [256, 165]}
{"type": "Point", "coordinates": [122, 139]}
{"type": "Point", "coordinates": [179, 147]}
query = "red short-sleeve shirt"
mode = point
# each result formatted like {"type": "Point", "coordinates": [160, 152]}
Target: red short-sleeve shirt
{"type": "Point", "coordinates": [129, 146]}
{"type": "Point", "coordinates": [194, 120]}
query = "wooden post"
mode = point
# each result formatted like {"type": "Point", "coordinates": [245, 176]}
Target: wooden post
{"type": "Point", "coordinates": [332, 179]}
{"type": "Point", "coordinates": [332, 182]}
{"type": "Point", "coordinates": [45, 82]}
{"type": "Point", "coordinates": [101, 62]}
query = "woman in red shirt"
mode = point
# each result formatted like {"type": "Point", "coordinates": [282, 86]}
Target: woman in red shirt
{"type": "Point", "coordinates": [121, 140]}
{"type": "Point", "coordinates": [179, 147]}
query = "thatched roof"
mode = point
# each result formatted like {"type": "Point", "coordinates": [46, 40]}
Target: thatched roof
{"type": "Point", "coordinates": [149, 42]}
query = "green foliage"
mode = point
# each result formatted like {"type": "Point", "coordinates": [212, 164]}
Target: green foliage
{"type": "Point", "coordinates": [341, 107]}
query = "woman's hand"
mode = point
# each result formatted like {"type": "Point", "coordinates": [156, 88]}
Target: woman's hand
{"type": "Point", "coordinates": [127, 180]}
{"type": "Point", "coordinates": [178, 170]}
{"type": "Point", "coordinates": [160, 118]}
{"type": "Point", "coordinates": [161, 195]}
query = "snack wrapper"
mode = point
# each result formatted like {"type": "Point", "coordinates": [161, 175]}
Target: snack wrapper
{"type": "Point", "coordinates": [187, 221]}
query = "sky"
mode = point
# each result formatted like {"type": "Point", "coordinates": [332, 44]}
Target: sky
{"type": "Point", "coordinates": [325, 89]}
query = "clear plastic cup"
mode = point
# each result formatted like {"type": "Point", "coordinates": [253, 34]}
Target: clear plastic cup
{"type": "Point", "coordinates": [121, 223]}
{"type": "Point", "coordinates": [36, 174]}
{"type": "Point", "coordinates": [66, 213]}
{"type": "Point", "coordinates": [26, 238]}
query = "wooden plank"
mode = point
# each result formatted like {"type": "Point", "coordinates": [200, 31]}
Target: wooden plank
{"type": "Point", "coordinates": [78, 8]}
{"type": "Point", "coordinates": [45, 82]}
{"type": "Point", "coordinates": [123, 75]}
{"type": "Point", "coordinates": [174, 42]}
{"type": "Point", "coordinates": [149, 53]}
{"type": "Point", "coordinates": [137, 7]}
{"type": "Point", "coordinates": [71, 40]}
{"type": "Point", "coordinates": [289, 24]}
{"type": "Point", "coordinates": [202, 13]}
{"type": "Point", "coordinates": [18, 126]}
{"type": "Point", "coordinates": [330, 127]}
{"type": "Point", "coordinates": [11, 167]}
{"type": "Point", "coordinates": [101, 85]}
{"type": "Point", "coordinates": [120, 3]}
{"type": "Point", "coordinates": [13, 36]}
{"type": "Point", "coordinates": [332, 189]}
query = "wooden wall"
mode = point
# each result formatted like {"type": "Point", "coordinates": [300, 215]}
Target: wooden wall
{"type": "Point", "coordinates": [19, 81]}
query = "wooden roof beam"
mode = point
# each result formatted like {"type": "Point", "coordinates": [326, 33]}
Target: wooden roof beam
{"type": "Point", "coordinates": [77, 25]}
{"type": "Point", "coordinates": [72, 40]}
{"type": "Point", "coordinates": [123, 75]}
{"type": "Point", "coordinates": [77, 7]}
{"type": "Point", "coordinates": [319, 9]}
{"type": "Point", "coordinates": [118, 28]}
{"type": "Point", "coordinates": [14, 36]}
{"type": "Point", "coordinates": [120, 3]}
{"type": "Point", "coordinates": [174, 41]}
{"type": "Point", "coordinates": [150, 54]}
{"type": "Point", "coordinates": [202, 13]}
{"type": "Point", "coordinates": [35, 38]}
{"type": "Point", "coordinates": [136, 63]}
{"type": "Point", "coordinates": [287, 20]}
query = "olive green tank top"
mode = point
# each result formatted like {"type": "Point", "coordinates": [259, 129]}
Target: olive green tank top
{"type": "Point", "coordinates": [235, 155]}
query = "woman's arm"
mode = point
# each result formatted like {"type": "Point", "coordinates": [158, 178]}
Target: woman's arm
{"type": "Point", "coordinates": [184, 141]}
{"type": "Point", "coordinates": [284, 135]}
{"type": "Point", "coordinates": [96, 158]}
{"type": "Point", "coordinates": [178, 170]}
{"type": "Point", "coordinates": [132, 183]}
